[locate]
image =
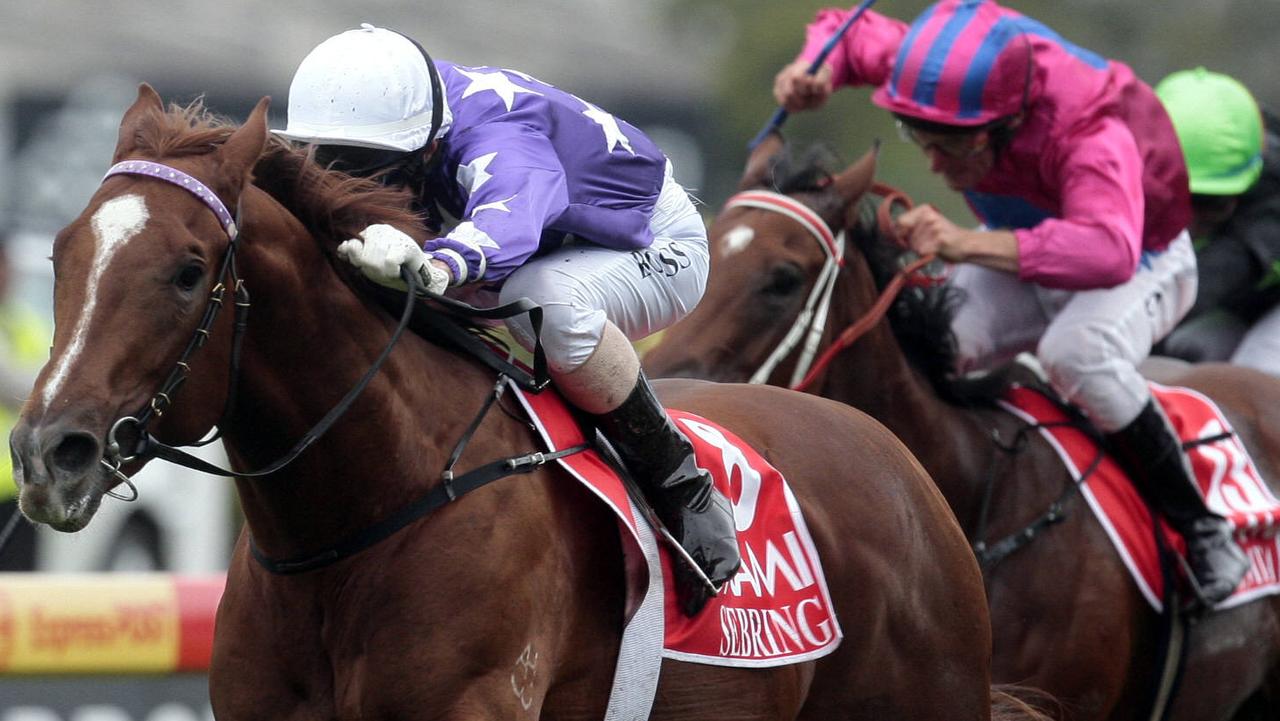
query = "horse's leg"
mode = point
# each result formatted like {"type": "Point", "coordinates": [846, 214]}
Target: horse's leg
{"type": "Point", "coordinates": [539, 639]}
{"type": "Point", "coordinates": [415, 633]}
{"type": "Point", "coordinates": [260, 654]}
{"type": "Point", "coordinates": [1234, 668]}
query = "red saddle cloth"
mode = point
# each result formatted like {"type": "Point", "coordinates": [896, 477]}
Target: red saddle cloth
{"type": "Point", "coordinates": [777, 610]}
{"type": "Point", "coordinates": [1226, 474]}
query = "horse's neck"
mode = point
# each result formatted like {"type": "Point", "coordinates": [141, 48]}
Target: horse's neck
{"type": "Point", "coordinates": [875, 376]}
{"type": "Point", "coordinates": [309, 339]}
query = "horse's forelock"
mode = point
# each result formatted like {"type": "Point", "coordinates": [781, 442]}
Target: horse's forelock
{"type": "Point", "coordinates": [181, 130]}
{"type": "Point", "coordinates": [810, 176]}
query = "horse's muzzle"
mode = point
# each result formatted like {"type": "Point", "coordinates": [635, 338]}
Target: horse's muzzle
{"type": "Point", "coordinates": [58, 472]}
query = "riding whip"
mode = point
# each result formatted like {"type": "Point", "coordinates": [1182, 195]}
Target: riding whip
{"type": "Point", "coordinates": [780, 115]}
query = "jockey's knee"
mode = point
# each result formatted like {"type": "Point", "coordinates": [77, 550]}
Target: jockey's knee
{"type": "Point", "coordinates": [1090, 367]}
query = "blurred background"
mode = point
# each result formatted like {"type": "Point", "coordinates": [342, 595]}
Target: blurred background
{"type": "Point", "coordinates": [695, 74]}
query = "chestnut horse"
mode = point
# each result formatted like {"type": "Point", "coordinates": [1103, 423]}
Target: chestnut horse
{"type": "Point", "coordinates": [505, 604]}
{"type": "Point", "coordinates": [1066, 616]}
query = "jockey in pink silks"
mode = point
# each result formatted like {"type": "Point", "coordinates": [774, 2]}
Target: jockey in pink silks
{"type": "Point", "coordinates": [1083, 257]}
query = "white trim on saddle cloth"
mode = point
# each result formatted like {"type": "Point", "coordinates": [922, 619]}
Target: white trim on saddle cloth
{"type": "Point", "coordinates": [777, 610]}
{"type": "Point", "coordinates": [1227, 476]}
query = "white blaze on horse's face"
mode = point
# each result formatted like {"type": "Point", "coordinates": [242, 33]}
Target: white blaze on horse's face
{"type": "Point", "coordinates": [737, 240]}
{"type": "Point", "coordinates": [116, 222]}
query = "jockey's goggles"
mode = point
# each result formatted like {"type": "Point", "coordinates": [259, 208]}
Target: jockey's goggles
{"type": "Point", "coordinates": [958, 146]}
{"type": "Point", "coordinates": [357, 161]}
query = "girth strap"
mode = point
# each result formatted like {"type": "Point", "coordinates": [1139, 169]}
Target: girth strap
{"type": "Point", "coordinates": [438, 496]}
{"type": "Point", "coordinates": [449, 489]}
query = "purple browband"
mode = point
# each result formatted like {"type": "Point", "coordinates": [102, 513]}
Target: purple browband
{"type": "Point", "coordinates": [180, 179]}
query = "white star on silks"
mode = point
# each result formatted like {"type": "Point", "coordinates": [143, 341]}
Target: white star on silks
{"type": "Point", "coordinates": [613, 136]}
{"type": "Point", "coordinates": [476, 173]}
{"type": "Point", "coordinates": [494, 205]}
{"type": "Point", "coordinates": [496, 81]}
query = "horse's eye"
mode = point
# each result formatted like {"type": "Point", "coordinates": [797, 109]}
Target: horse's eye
{"type": "Point", "coordinates": [783, 280]}
{"type": "Point", "coordinates": [189, 277]}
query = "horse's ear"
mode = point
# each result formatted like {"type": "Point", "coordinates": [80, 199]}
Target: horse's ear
{"type": "Point", "coordinates": [241, 151]}
{"type": "Point", "coordinates": [853, 182]}
{"type": "Point", "coordinates": [148, 102]}
{"type": "Point", "coordinates": [760, 161]}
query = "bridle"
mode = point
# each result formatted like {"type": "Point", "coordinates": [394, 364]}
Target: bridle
{"type": "Point", "coordinates": [812, 319]}
{"type": "Point", "coordinates": [452, 484]}
{"type": "Point", "coordinates": [114, 455]}
{"type": "Point", "coordinates": [146, 446]}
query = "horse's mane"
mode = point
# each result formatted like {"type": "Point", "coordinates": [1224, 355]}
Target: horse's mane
{"type": "Point", "coordinates": [921, 317]}
{"type": "Point", "coordinates": [331, 205]}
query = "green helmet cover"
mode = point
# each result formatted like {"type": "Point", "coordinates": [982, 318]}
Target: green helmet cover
{"type": "Point", "coordinates": [1220, 128]}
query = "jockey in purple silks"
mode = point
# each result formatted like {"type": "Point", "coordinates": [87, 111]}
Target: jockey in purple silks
{"type": "Point", "coordinates": [1074, 169]}
{"type": "Point", "coordinates": [555, 200]}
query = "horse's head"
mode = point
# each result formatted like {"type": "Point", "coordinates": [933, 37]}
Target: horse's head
{"type": "Point", "coordinates": [770, 251]}
{"type": "Point", "coordinates": [133, 276]}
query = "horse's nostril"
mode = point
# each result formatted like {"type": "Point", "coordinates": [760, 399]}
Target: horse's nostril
{"type": "Point", "coordinates": [75, 453]}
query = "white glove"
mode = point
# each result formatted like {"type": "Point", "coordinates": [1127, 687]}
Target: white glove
{"type": "Point", "coordinates": [381, 251]}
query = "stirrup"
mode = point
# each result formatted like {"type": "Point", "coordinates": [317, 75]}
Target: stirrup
{"type": "Point", "coordinates": [681, 556]}
{"type": "Point", "coordinates": [684, 556]}
{"type": "Point", "coordinates": [1198, 605]}
{"type": "Point", "coordinates": [641, 502]}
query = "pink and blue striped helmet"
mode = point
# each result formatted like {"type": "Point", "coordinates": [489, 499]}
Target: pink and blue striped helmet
{"type": "Point", "coordinates": [964, 63]}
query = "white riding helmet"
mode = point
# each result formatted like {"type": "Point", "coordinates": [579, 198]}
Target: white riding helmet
{"type": "Point", "coordinates": [369, 88]}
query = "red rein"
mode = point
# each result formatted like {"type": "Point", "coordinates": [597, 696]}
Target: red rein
{"type": "Point", "coordinates": [884, 218]}
{"type": "Point", "coordinates": [865, 323]}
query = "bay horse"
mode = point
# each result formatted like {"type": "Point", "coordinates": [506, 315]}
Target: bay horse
{"type": "Point", "coordinates": [506, 603]}
{"type": "Point", "coordinates": [1067, 618]}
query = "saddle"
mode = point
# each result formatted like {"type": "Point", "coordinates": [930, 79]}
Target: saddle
{"type": "Point", "coordinates": [1228, 478]}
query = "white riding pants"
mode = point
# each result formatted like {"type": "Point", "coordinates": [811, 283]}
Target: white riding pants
{"type": "Point", "coordinates": [1089, 342]}
{"type": "Point", "coordinates": [582, 285]}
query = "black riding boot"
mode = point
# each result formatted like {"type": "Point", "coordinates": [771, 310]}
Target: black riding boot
{"type": "Point", "coordinates": [661, 461]}
{"type": "Point", "coordinates": [1152, 455]}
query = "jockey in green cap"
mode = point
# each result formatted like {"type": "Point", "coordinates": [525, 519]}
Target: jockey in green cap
{"type": "Point", "coordinates": [1232, 149]}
